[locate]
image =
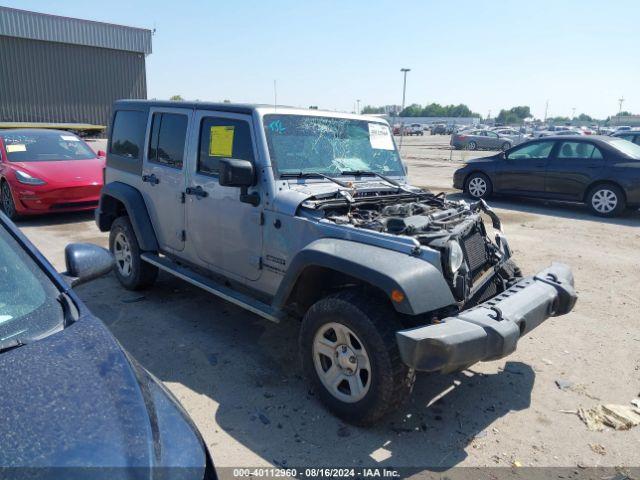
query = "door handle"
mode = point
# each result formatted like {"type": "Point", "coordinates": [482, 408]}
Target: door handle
{"type": "Point", "coordinates": [198, 191]}
{"type": "Point", "coordinates": [152, 179]}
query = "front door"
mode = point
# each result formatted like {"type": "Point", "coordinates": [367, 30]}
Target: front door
{"type": "Point", "coordinates": [573, 166]}
{"type": "Point", "coordinates": [163, 175]}
{"type": "Point", "coordinates": [523, 168]}
{"type": "Point", "coordinates": [225, 232]}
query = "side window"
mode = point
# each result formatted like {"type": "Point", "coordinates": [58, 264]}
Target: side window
{"type": "Point", "coordinates": [168, 135]}
{"type": "Point", "coordinates": [578, 150]}
{"type": "Point", "coordinates": [531, 150]}
{"type": "Point", "coordinates": [127, 133]}
{"type": "Point", "coordinates": [223, 138]}
{"type": "Point", "coordinates": [636, 139]}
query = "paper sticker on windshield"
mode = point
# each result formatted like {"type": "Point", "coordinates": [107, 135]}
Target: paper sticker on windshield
{"type": "Point", "coordinates": [16, 147]}
{"type": "Point", "coordinates": [221, 141]}
{"type": "Point", "coordinates": [69, 138]}
{"type": "Point", "coordinates": [380, 137]}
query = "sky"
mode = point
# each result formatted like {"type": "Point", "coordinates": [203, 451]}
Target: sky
{"type": "Point", "coordinates": [580, 54]}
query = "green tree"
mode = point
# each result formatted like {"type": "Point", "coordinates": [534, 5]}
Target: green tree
{"type": "Point", "coordinates": [624, 113]}
{"type": "Point", "coordinates": [437, 110]}
{"type": "Point", "coordinates": [583, 117]}
{"type": "Point", "coordinates": [514, 115]}
{"type": "Point", "coordinates": [176, 98]}
{"type": "Point", "coordinates": [368, 109]}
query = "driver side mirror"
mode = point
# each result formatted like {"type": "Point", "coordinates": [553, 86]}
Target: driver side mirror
{"type": "Point", "coordinates": [239, 173]}
{"type": "Point", "coordinates": [86, 262]}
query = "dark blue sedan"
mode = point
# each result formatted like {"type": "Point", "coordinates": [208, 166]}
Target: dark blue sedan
{"type": "Point", "coordinates": [603, 172]}
{"type": "Point", "coordinates": [73, 403]}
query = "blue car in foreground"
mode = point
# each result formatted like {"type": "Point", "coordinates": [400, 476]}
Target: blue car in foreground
{"type": "Point", "coordinates": [73, 402]}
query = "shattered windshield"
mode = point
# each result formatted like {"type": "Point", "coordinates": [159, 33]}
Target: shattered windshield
{"type": "Point", "coordinates": [313, 144]}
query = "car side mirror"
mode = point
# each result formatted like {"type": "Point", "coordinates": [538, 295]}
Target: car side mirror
{"type": "Point", "coordinates": [86, 262]}
{"type": "Point", "coordinates": [503, 155]}
{"type": "Point", "coordinates": [239, 173]}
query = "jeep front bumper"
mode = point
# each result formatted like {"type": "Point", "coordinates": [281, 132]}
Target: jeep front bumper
{"type": "Point", "coordinates": [490, 330]}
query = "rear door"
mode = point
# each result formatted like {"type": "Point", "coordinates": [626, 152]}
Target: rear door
{"type": "Point", "coordinates": [225, 233]}
{"type": "Point", "coordinates": [572, 167]}
{"type": "Point", "coordinates": [163, 180]}
{"type": "Point", "coordinates": [523, 169]}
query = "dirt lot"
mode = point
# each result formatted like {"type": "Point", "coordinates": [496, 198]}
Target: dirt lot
{"type": "Point", "coordinates": [239, 377]}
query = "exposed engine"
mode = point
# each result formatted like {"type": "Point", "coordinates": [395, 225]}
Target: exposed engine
{"type": "Point", "coordinates": [453, 228]}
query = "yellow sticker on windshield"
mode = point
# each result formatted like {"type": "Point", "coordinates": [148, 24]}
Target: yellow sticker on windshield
{"type": "Point", "coordinates": [16, 147]}
{"type": "Point", "coordinates": [221, 141]}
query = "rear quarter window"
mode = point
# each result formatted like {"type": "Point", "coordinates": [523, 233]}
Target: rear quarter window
{"type": "Point", "coordinates": [127, 140]}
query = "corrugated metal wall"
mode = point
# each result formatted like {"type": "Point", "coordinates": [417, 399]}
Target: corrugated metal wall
{"type": "Point", "coordinates": [53, 28]}
{"type": "Point", "coordinates": [56, 82]}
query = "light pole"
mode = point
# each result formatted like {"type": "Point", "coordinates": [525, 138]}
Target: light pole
{"type": "Point", "coordinates": [358, 109]}
{"type": "Point", "coordinates": [546, 109]}
{"type": "Point", "coordinates": [404, 85]}
{"type": "Point", "coordinates": [573, 113]}
{"type": "Point", "coordinates": [620, 101]}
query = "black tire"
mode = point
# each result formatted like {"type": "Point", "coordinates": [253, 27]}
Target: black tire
{"type": "Point", "coordinates": [140, 274]}
{"type": "Point", "coordinates": [606, 200]}
{"type": "Point", "coordinates": [7, 203]}
{"type": "Point", "coordinates": [472, 145]}
{"type": "Point", "coordinates": [374, 322]}
{"type": "Point", "coordinates": [505, 146]}
{"type": "Point", "coordinates": [473, 186]}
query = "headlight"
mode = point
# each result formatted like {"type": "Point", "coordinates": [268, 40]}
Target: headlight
{"type": "Point", "coordinates": [456, 256]}
{"type": "Point", "coordinates": [24, 177]}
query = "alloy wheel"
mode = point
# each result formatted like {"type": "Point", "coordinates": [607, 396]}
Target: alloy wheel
{"type": "Point", "coordinates": [341, 362]}
{"type": "Point", "coordinates": [477, 187]}
{"type": "Point", "coordinates": [604, 201]}
{"type": "Point", "coordinates": [7, 201]}
{"type": "Point", "coordinates": [122, 254]}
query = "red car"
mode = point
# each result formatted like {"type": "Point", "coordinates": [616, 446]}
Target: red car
{"type": "Point", "coordinates": [44, 171]}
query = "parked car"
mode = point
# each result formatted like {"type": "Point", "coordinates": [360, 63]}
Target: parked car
{"type": "Point", "coordinates": [622, 128]}
{"type": "Point", "coordinates": [603, 172]}
{"type": "Point", "coordinates": [560, 133]}
{"type": "Point", "coordinates": [512, 134]}
{"type": "Point", "coordinates": [44, 171]}
{"type": "Point", "coordinates": [631, 135]}
{"type": "Point", "coordinates": [439, 129]}
{"type": "Point", "coordinates": [73, 402]}
{"type": "Point", "coordinates": [480, 139]}
{"type": "Point", "coordinates": [414, 129]}
{"type": "Point", "coordinates": [287, 212]}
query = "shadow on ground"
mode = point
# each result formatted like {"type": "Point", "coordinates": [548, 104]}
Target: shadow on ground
{"type": "Point", "coordinates": [250, 368]}
{"type": "Point", "coordinates": [53, 219]}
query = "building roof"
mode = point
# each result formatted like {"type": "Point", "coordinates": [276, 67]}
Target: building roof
{"type": "Point", "coordinates": [53, 28]}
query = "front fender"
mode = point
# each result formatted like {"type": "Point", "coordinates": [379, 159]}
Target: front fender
{"type": "Point", "coordinates": [422, 284]}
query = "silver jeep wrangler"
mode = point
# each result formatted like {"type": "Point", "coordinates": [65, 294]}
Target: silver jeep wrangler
{"type": "Point", "coordinates": [303, 213]}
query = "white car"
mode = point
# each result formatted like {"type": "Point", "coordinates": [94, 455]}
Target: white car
{"type": "Point", "coordinates": [512, 134]}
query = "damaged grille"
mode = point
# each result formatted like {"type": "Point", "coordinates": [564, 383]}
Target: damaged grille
{"type": "Point", "coordinates": [475, 251]}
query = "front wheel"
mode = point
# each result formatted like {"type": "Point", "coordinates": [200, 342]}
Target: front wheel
{"type": "Point", "coordinates": [350, 355]}
{"type": "Point", "coordinates": [606, 200]}
{"type": "Point", "coordinates": [478, 185]}
{"type": "Point", "coordinates": [8, 205]}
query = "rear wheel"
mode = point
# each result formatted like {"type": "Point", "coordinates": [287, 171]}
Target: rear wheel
{"type": "Point", "coordinates": [8, 205]}
{"type": "Point", "coordinates": [472, 145]}
{"type": "Point", "coordinates": [606, 200]}
{"type": "Point", "coordinates": [478, 185]}
{"type": "Point", "coordinates": [132, 272]}
{"type": "Point", "coordinates": [350, 355]}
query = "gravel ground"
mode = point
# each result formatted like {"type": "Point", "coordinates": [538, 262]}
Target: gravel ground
{"type": "Point", "coordinates": [239, 377]}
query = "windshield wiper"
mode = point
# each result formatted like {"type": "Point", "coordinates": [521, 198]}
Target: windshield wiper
{"type": "Point", "coordinates": [371, 173]}
{"type": "Point", "coordinates": [313, 175]}
{"type": "Point", "coordinates": [10, 345]}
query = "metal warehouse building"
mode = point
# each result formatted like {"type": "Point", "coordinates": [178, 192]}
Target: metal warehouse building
{"type": "Point", "coordinates": [59, 69]}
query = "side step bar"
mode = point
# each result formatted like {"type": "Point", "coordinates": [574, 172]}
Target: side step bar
{"type": "Point", "coordinates": [211, 286]}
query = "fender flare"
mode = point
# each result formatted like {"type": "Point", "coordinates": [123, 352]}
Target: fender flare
{"type": "Point", "coordinates": [422, 284]}
{"type": "Point", "coordinates": [117, 192]}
